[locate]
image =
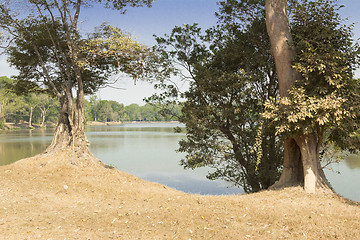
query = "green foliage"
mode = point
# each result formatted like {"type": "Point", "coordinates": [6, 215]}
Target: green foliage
{"type": "Point", "coordinates": [15, 108]}
{"type": "Point", "coordinates": [52, 55]}
{"type": "Point", "coordinates": [11, 106]}
{"type": "Point", "coordinates": [99, 57]}
{"type": "Point", "coordinates": [326, 100]}
{"type": "Point", "coordinates": [107, 111]}
{"type": "Point", "coordinates": [109, 42]}
{"type": "Point", "coordinates": [301, 113]}
{"type": "Point", "coordinates": [223, 104]}
{"type": "Point", "coordinates": [122, 4]}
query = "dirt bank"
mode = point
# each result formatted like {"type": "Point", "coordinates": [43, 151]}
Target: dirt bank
{"type": "Point", "coordinates": [61, 196]}
{"type": "Point", "coordinates": [25, 125]}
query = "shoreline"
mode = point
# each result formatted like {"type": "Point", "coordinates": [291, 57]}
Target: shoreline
{"type": "Point", "coordinates": [25, 125]}
{"type": "Point", "coordinates": [20, 126]}
{"type": "Point", "coordinates": [95, 123]}
{"type": "Point", "coordinates": [42, 199]}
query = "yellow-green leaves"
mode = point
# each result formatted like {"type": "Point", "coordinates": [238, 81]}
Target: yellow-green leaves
{"type": "Point", "coordinates": [113, 45]}
{"type": "Point", "coordinates": [302, 112]}
{"type": "Point", "coordinates": [326, 58]}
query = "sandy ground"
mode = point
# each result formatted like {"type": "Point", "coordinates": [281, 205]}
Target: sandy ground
{"type": "Point", "coordinates": [62, 196]}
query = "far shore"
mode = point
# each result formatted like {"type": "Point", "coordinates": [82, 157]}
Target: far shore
{"type": "Point", "coordinates": [25, 125]}
{"type": "Point", "coordinates": [95, 123]}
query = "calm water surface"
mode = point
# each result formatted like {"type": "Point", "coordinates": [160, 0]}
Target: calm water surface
{"type": "Point", "coordinates": [147, 150]}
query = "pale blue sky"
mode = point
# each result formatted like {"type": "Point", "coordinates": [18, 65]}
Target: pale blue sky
{"type": "Point", "coordinates": [142, 23]}
{"type": "Point", "coordinates": [159, 19]}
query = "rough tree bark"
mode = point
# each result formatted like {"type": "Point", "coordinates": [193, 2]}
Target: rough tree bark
{"type": "Point", "coordinates": [70, 130]}
{"type": "Point", "coordinates": [63, 135]}
{"type": "Point", "coordinates": [301, 153]}
{"type": "Point", "coordinates": [314, 177]}
{"type": "Point", "coordinates": [277, 24]}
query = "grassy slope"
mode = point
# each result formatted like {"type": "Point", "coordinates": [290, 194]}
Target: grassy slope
{"type": "Point", "coordinates": [48, 197]}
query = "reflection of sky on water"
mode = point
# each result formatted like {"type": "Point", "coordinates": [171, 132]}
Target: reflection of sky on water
{"type": "Point", "coordinates": [191, 184]}
{"type": "Point", "coordinates": [147, 150]}
{"type": "Point", "coordinates": [346, 182]}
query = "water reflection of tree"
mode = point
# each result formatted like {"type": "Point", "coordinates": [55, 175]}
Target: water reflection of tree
{"type": "Point", "coordinates": [353, 161]}
{"type": "Point", "coordinates": [11, 151]}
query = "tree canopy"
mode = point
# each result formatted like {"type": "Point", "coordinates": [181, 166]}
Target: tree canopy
{"type": "Point", "coordinates": [235, 117]}
{"type": "Point", "coordinates": [320, 100]}
{"type": "Point", "coordinates": [226, 97]}
{"type": "Point", "coordinates": [325, 97]}
{"type": "Point", "coordinates": [45, 45]}
{"type": "Point", "coordinates": [32, 107]}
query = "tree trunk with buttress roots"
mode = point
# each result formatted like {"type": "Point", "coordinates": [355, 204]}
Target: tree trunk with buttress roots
{"type": "Point", "coordinates": [314, 177]}
{"type": "Point", "coordinates": [70, 130]}
{"type": "Point", "coordinates": [301, 162]}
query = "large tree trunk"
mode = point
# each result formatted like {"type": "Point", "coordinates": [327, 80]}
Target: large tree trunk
{"type": "Point", "coordinates": [292, 173]}
{"type": "Point", "coordinates": [63, 135]}
{"type": "Point", "coordinates": [301, 160]}
{"type": "Point", "coordinates": [79, 116]}
{"type": "Point", "coordinates": [314, 177]}
{"type": "Point", "coordinates": [70, 130]}
{"type": "Point", "coordinates": [277, 23]}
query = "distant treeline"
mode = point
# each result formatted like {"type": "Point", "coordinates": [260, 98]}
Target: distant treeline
{"type": "Point", "coordinates": [112, 111]}
{"type": "Point", "coordinates": [39, 109]}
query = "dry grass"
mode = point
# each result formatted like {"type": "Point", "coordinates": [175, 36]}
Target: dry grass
{"type": "Point", "coordinates": [47, 197]}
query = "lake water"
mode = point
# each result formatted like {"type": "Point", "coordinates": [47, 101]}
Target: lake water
{"type": "Point", "coordinates": [147, 150]}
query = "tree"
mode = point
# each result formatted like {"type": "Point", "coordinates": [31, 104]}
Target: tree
{"type": "Point", "coordinates": [118, 110]}
{"type": "Point", "coordinates": [226, 97]}
{"type": "Point", "coordinates": [283, 51]}
{"type": "Point", "coordinates": [46, 103]}
{"type": "Point", "coordinates": [12, 107]}
{"type": "Point", "coordinates": [6, 99]}
{"type": "Point", "coordinates": [106, 112]}
{"type": "Point", "coordinates": [132, 112]}
{"type": "Point", "coordinates": [46, 46]}
{"type": "Point", "coordinates": [166, 108]}
{"type": "Point", "coordinates": [315, 62]}
{"type": "Point", "coordinates": [15, 107]}
{"type": "Point", "coordinates": [94, 106]}
{"type": "Point", "coordinates": [31, 102]}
